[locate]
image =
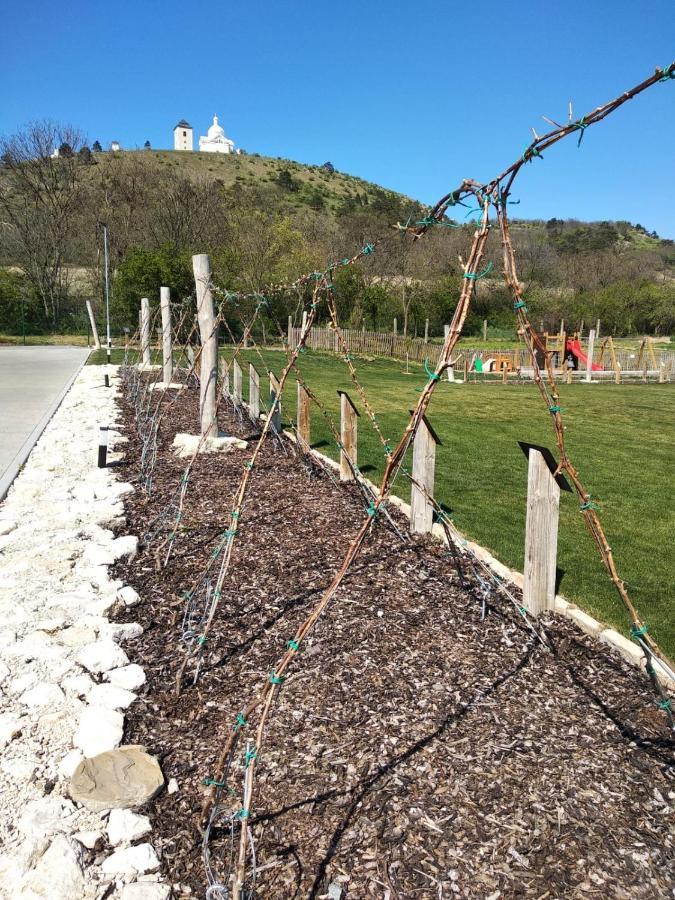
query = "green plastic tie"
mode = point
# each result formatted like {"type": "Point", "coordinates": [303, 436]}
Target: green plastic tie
{"type": "Point", "coordinates": [665, 704]}
{"type": "Point", "coordinates": [347, 358]}
{"type": "Point", "coordinates": [249, 757]}
{"type": "Point", "coordinates": [241, 814]}
{"type": "Point", "coordinates": [668, 72]}
{"type": "Point", "coordinates": [387, 449]}
{"type": "Point", "coordinates": [202, 639]}
{"type": "Point", "coordinates": [240, 721]}
{"type": "Point", "coordinates": [520, 304]}
{"type": "Point", "coordinates": [235, 514]}
{"type": "Point", "coordinates": [432, 375]}
{"type": "Point", "coordinates": [369, 248]}
{"type": "Point", "coordinates": [530, 153]}
{"type": "Point", "coordinates": [372, 510]}
{"type": "Point", "coordinates": [187, 595]}
{"type": "Point", "coordinates": [345, 262]}
{"type": "Point", "coordinates": [276, 679]}
{"type": "Point", "coordinates": [555, 409]}
{"type": "Point", "coordinates": [212, 782]}
{"type": "Point", "coordinates": [638, 631]}
{"type": "Point", "coordinates": [582, 126]}
{"type": "Point", "coordinates": [293, 645]}
{"type": "Point", "coordinates": [589, 504]}
{"type": "Point", "coordinates": [475, 277]}
{"type": "Point", "coordinates": [522, 610]}
{"type": "Point", "coordinates": [249, 465]}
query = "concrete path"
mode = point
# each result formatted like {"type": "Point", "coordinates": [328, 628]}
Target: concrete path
{"type": "Point", "coordinates": [33, 381]}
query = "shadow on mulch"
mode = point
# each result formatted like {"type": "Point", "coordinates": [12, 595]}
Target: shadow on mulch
{"type": "Point", "coordinates": [416, 750]}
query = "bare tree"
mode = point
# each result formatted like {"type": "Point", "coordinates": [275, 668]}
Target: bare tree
{"type": "Point", "coordinates": [39, 195]}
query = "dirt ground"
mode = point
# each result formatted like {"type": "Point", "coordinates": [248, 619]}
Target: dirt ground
{"type": "Point", "coordinates": [416, 749]}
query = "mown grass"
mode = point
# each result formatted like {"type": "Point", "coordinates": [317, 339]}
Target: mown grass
{"type": "Point", "coordinates": [619, 437]}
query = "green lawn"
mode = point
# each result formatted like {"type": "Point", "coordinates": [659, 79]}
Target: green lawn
{"type": "Point", "coordinates": [619, 437]}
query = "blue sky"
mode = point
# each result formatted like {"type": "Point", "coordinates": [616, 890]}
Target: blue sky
{"type": "Point", "coordinates": [414, 96]}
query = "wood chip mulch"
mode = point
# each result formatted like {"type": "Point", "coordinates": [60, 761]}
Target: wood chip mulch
{"type": "Point", "coordinates": [416, 750]}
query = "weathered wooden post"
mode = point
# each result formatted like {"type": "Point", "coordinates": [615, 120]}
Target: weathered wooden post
{"type": "Point", "coordinates": [348, 436]}
{"type": "Point", "coordinates": [290, 331]}
{"type": "Point", "coordinates": [589, 360]}
{"type": "Point", "coordinates": [303, 416]}
{"type": "Point", "coordinates": [224, 377]}
{"type": "Point", "coordinates": [253, 392]}
{"type": "Point", "coordinates": [237, 383]}
{"type": "Point", "coordinates": [426, 331]}
{"type": "Point", "coordinates": [424, 467]}
{"type": "Point", "coordinates": [94, 330]}
{"type": "Point", "coordinates": [274, 393]}
{"type": "Point", "coordinates": [145, 331]}
{"type": "Point", "coordinates": [209, 355]}
{"type": "Point", "coordinates": [167, 357]}
{"type": "Point", "coordinates": [484, 330]}
{"type": "Point", "coordinates": [541, 535]}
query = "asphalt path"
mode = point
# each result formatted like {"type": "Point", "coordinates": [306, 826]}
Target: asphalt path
{"type": "Point", "coordinates": [33, 381]}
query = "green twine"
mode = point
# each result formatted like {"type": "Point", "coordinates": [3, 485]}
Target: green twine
{"type": "Point", "coordinates": [474, 277]}
{"type": "Point", "coordinates": [369, 248]}
{"type": "Point", "coordinates": [668, 72]}
{"type": "Point", "coordinates": [387, 449]}
{"type": "Point", "coordinates": [520, 304]}
{"type": "Point", "coordinates": [235, 514]}
{"type": "Point", "coordinates": [293, 645]}
{"type": "Point", "coordinates": [372, 510]}
{"type": "Point", "coordinates": [432, 375]}
{"type": "Point", "coordinates": [347, 358]}
{"type": "Point", "coordinates": [212, 782]}
{"type": "Point", "coordinates": [185, 479]}
{"type": "Point", "coordinates": [202, 639]}
{"type": "Point", "coordinates": [522, 610]}
{"type": "Point", "coordinates": [345, 262]}
{"type": "Point", "coordinates": [638, 631]}
{"type": "Point", "coordinates": [240, 721]}
{"type": "Point", "coordinates": [276, 679]}
{"type": "Point", "coordinates": [582, 126]}
{"type": "Point", "coordinates": [187, 595]}
{"type": "Point", "coordinates": [555, 409]}
{"type": "Point", "coordinates": [249, 465]}
{"type": "Point", "coordinates": [589, 504]}
{"type": "Point", "coordinates": [241, 814]}
{"type": "Point", "coordinates": [665, 704]}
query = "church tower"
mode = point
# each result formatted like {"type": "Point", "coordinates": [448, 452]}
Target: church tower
{"type": "Point", "coordinates": [182, 136]}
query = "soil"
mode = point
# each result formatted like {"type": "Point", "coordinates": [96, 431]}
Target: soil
{"type": "Point", "coordinates": [417, 748]}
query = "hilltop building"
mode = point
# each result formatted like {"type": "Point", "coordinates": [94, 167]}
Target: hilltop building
{"type": "Point", "coordinates": [182, 136]}
{"type": "Point", "coordinates": [215, 141]}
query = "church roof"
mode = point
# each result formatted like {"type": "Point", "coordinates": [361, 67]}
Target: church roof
{"type": "Point", "coordinates": [183, 124]}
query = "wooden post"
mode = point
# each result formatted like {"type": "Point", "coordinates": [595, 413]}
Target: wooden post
{"type": "Point", "coordinates": [589, 360]}
{"type": "Point", "coordinates": [224, 377]}
{"type": "Point", "coordinates": [451, 370]}
{"type": "Point", "coordinates": [426, 331]}
{"type": "Point", "coordinates": [274, 393]}
{"type": "Point", "coordinates": [209, 355]}
{"type": "Point", "coordinates": [541, 535]}
{"type": "Point", "coordinates": [348, 436]}
{"type": "Point", "coordinates": [145, 331]}
{"type": "Point", "coordinates": [597, 329]}
{"type": "Point", "coordinates": [424, 466]}
{"type": "Point", "coordinates": [650, 350]}
{"type": "Point", "coordinates": [290, 330]}
{"type": "Point", "coordinates": [253, 392]}
{"type": "Point", "coordinates": [237, 394]}
{"type": "Point", "coordinates": [615, 364]}
{"type": "Point", "coordinates": [484, 330]}
{"type": "Point", "coordinates": [94, 330]}
{"type": "Point", "coordinates": [303, 416]}
{"type": "Point", "coordinates": [167, 358]}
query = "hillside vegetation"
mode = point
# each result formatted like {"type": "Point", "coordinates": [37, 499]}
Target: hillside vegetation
{"type": "Point", "coordinates": [266, 221]}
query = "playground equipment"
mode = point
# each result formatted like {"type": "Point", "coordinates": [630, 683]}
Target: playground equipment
{"type": "Point", "coordinates": [574, 347]}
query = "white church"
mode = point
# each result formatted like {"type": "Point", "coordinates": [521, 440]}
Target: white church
{"type": "Point", "coordinates": [214, 141]}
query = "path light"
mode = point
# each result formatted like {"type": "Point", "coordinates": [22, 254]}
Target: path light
{"type": "Point", "coordinates": [102, 446]}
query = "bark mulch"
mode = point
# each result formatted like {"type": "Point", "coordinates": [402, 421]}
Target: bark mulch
{"type": "Point", "coordinates": [416, 750]}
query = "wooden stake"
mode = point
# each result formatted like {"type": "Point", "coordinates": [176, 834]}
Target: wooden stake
{"type": "Point", "coordinates": [94, 330]}
{"type": "Point", "coordinates": [424, 467]}
{"type": "Point", "coordinates": [426, 331]}
{"type": "Point", "coordinates": [237, 394]}
{"type": "Point", "coordinates": [348, 435]}
{"type": "Point", "coordinates": [484, 330]}
{"type": "Point", "coordinates": [589, 359]}
{"type": "Point", "coordinates": [290, 331]}
{"type": "Point", "coordinates": [541, 535]}
{"type": "Point", "coordinates": [253, 392]}
{"type": "Point", "coordinates": [167, 357]}
{"type": "Point", "coordinates": [303, 416]}
{"type": "Point", "coordinates": [274, 393]}
{"type": "Point", "coordinates": [224, 377]}
{"type": "Point", "coordinates": [209, 355]}
{"type": "Point", "coordinates": [145, 331]}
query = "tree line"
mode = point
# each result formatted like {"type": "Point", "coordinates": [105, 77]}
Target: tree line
{"type": "Point", "coordinates": [52, 208]}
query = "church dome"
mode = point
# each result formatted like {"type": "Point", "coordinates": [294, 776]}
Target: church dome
{"type": "Point", "coordinates": [215, 131]}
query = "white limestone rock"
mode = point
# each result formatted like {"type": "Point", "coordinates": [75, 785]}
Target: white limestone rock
{"type": "Point", "coordinates": [172, 786]}
{"type": "Point", "coordinates": [102, 656]}
{"type": "Point", "coordinates": [69, 763]}
{"type": "Point", "coordinates": [128, 596]}
{"type": "Point", "coordinates": [125, 826]}
{"type": "Point", "coordinates": [79, 685]}
{"type": "Point", "coordinates": [6, 526]}
{"type": "Point", "coordinates": [131, 861]}
{"type": "Point", "coordinates": [126, 546]}
{"type": "Point", "coordinates": [57, 875]}
{"type": "Point", "coordinates": [43, 695]}
{"type": "Point", "coordinates": [140, 890]}
{"type": "Point", "coordinates": [46, 817]}
{"type": "Point", "coordinates": [95, 555]}
{"type": "Point", "coordinates": [129, 677]}
{"type": "Point", "coordinates": [55, 623]}
{"type": "Point", "coordinates": [111, 696]}
{"type": "Point", "coordinates": [187, 444]}
{"type": "Point", "coordinates": [100, 729]}
{"type": "Point", "coordinates": [89, 839]}
{"type": "Point", "coordinates": [77, 636]}
{"type": "Point", "coordinates": [4, 672]}
{"type": "Point", "coordinates": [122, 631]}
{"type": "Point", "coordinates": [10, 727]}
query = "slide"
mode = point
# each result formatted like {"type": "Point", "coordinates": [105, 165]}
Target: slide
{"type": "Point", "coordinates": [574, 347]}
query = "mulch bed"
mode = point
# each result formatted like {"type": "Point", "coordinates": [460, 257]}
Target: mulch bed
{"type": "Point", "coordinates": [416, 750]}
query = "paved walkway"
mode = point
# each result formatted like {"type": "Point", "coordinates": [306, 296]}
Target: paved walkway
{"type": "Point", "coordinates": [32, 381]}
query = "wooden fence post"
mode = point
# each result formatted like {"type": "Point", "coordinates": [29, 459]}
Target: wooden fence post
{"type": "Point", "coordinates": [274, 393]}
{"type": "Point", "coordinates": [589, 359]}
{"type": "Point", "coordinates": [236, 383]}
{"type": "Point", "coordinates": [209, 356]}
{"type": "Point", "coordinates": [424, 466]}
{"type": "Point", "coordinates": [426, 331]}
{"type": "Point", "coordinates": [224, 377]}
{"type": "Point", "coordinates": [145, 331]}
{"type": "Point", "coordinates": [348, 436]}
{"type": "Point", "coordinates": [167, 357]}
{"type": "Point", "coordinates": [303, 416]}
{"type": "Point", "coordinates": [541, 535]}
{"type": "Point", "coordinates": [484, 330]}
{"type": "Point", "coordinates": [290, 331]}
{"type": "Point", "coordinates": [94, 330]}
{"type": "Point", "coordinates": [253, 392]}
